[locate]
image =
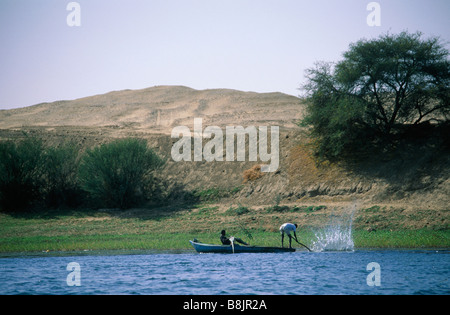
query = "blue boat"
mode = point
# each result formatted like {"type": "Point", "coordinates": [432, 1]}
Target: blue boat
{"type": "Point", "coordinates": [236, 248]}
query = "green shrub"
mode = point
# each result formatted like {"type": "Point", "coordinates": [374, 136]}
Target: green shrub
{"type": "Point", "coordinates": [306, 209]}
{"type": "Point", "coordinates": [20, 174]}
{"type": "Point", "coordinates": [211, 194]}
{"type": "Point", "coordinates": [60, 176]}
{"type": "Point", "coordinates": [372, 209]}
{"type": "Point", "coordinates": [118, 174]}
{"type": "Point", "coordinates": [240, 210]}
{"type": "Point", "coordinates": [278, 208]}
{"type": "Point", "coordinates": [215, 193]}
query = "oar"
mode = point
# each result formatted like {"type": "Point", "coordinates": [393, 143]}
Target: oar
{"type": "Point", "coordinates": [303, 245]}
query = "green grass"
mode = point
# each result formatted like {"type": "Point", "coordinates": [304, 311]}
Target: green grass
{"type": "Point", "coordinates": [159, 241]}
{"type": "Point", "coordinates": [422, 238]}
{"type": "Point", "coordinates": [172, 228]}
{"type": "Point", "coordinates": [164, 241]}
{"type": "Point", "coordinates": [95, 242]}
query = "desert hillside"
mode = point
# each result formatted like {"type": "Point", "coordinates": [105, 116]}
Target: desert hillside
{"type": "Point", "coordinates": [159, 109]}
{"type": "Point", "coordinates": [409, 178]}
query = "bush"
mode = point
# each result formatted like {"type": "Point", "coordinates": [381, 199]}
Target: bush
{"type": "Point", "coordinates": [252, 174]}
{"type": "Point", "coordinates": [60, 176]}
{"type": "Point", "coordinates": [240, 210]}
{"type": "Point", "coordinates": [210, 194]}
{"type": "Point", "coordinates": [117, 174]}
{"type": "Point", "coordinates": [20, 174]}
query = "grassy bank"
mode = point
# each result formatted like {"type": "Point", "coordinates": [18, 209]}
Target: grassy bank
{"type": "Point", "coordinates": [171, 228]}
{"type": "Point", "coordinates": [161, 241]}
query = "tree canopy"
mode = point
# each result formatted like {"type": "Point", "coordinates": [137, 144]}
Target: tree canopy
{"type": "Point", "coordinates": [380, 86]}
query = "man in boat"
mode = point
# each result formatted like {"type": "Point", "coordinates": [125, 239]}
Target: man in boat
{"type": "Point", "coordinates": [287, 228]}
{"type": "Point", "coordinates": [226, 241]}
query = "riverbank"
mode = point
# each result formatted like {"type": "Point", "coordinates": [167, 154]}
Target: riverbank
{"type": "Point", "coordinates": [362, 239]}
{"type": "Point", "coordinates": [168, 228]}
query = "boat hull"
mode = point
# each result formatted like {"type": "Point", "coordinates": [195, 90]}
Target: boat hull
{"type": "Point", "coordinates": [228, 249]}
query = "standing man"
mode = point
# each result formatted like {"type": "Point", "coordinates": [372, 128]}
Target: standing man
{"type": "Point", "coordinates": [287, 228]}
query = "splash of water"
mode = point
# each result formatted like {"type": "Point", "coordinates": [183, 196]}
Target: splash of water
{"type": "Point", "coordinates": [337, 236]}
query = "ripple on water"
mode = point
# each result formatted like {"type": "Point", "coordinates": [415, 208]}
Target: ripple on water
{"type": "Point", "coordinates": [402, 272]}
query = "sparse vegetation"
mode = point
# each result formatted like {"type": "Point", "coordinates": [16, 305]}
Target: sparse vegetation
{"type": "Point", "coordinates": [253, 173]}
{"type": "Point", "coordinates": [214, 193]}
{"type": "Point", "coordinates": [306, 209]}
{"type": "Point", "coordinates": [239, 210]}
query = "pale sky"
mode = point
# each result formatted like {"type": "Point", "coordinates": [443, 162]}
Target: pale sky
{"type": "Point", "coordinates": [248, 45]}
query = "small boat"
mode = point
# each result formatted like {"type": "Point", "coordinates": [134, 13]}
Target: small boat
{"type": "Point", "coordinates": [236, 248]}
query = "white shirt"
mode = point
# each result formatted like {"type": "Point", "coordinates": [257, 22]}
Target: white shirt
{"type": "Point", "coordinates": [287, 228]}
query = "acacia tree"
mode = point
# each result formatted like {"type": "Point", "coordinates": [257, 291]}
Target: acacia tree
{"type": "Point", "coordinates": [380, 84]}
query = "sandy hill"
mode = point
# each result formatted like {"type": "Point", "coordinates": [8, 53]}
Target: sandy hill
{"type": "Point", "coordinates": [410, 178]}
{"type": "Point", "coordinates": [159, 109]}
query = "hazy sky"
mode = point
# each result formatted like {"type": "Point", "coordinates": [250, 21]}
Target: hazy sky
{"type": "Point", "coordinates": [249, 45]}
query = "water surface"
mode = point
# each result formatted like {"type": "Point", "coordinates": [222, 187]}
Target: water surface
{"type": "Point", "coordinates": [401, 272]}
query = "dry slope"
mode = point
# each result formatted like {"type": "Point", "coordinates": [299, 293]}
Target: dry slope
{"type": "Point", "coordinates": [409, 179]}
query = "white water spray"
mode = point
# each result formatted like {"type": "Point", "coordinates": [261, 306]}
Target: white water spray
{"type": "Point", "coordinates": [337, 236]}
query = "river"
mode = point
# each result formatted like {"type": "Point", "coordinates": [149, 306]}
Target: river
{"type": "Point", "coordinates": [186, 272]}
